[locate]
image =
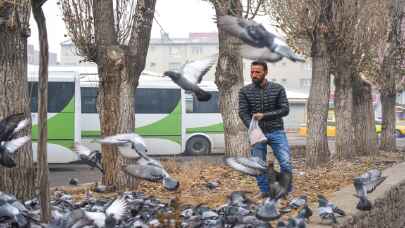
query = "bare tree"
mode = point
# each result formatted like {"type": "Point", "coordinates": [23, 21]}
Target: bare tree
{"type": "Point", "coordinates": [229, 75]}
{"type": "Point", "coordinates": [14, 31]}
{"type": "Point", "coordinates": [43, 170]}
{"type": "Point", "coordinates": [348, 29]}
{"type": "Point", "coordinates": [306, 25]}
{"type": "Point", "coordinates": [391, 74]}
{"type": "Point", "coordinates": [115, 35]}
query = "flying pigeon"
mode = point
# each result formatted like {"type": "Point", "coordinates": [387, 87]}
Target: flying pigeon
{"type": "Point", "coordinates": [130, 145]}
{"type": "Point", "coordinates": [246, 166]}
{"type": "Point", "coordinates": [12, 124]}
{"type": "Point", "coordinates": [191, 74]}
{"type": "Point", "coordinates": [151, 172]}
{"type": "Point", "coordinates": [91, 158]}
{"type": "Point", "coordinates": [256, 36]}
{"type": "Point", "coordinates": [364, 184]}
{"type": "Point", "coordinates": [8, 148]}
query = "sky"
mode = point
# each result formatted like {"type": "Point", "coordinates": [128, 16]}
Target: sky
{"type": "Point", "coordinates": [177, 17]}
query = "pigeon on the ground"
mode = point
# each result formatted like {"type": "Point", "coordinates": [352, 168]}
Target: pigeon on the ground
{"type": "Point", "coordinates": [256, 36]}
{"type": "Point", "coordinates": [191, 74]}
{"type": "Point", "coordinates": [364, 184]}
{"type": "Point", "coordinates": [327, 210]}
{"type": "Point", "coordinates": [268, 210]}
{"type": "Point", "coordinates": [91, 158]}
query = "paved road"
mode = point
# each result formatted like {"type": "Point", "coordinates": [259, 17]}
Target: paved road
{"type": "Point", "coordinates": [60, 174]}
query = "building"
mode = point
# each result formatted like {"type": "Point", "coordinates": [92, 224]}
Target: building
{"type": "Point", "coordinates": [167, 53]}
{"type": "Point", "coordinates": [33, 56]}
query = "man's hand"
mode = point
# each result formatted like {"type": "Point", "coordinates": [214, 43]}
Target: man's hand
{"type": "Point", "coordinates": [258, 116]}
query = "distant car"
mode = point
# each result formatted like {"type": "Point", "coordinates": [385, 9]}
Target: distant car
{"type": "Point", "coordinates": [331, 129]}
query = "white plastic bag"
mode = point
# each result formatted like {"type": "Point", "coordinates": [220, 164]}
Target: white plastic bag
{"type": "Point", "coordinates": [255, 133]}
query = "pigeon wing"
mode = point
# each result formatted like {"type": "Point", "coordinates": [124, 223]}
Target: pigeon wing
{"type": "Point", "coordinates": [264, 54]}
{"type": "Point", "coordinates": [194, 71]}
{"type": "Point", "coordinates": [14, 144]}
{"type": "Point", "coordinates": [8, 124]}
{"type": "Point", "coordinates": [117, 209]}
{"type": "Point", "coordinates": [79, 149]}
{"type": "Point", "coordinates": [233, 163]}
{"type": "Point", "coordinates": [252, 162]}
{"type": "Point", "coordinates": [150, 173]}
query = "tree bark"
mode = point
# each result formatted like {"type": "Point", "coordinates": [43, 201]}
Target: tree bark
{"type": "Point", "coordinates": [387, 137]}
{"type": "Point", "coordinates": [363, 118]}
{"type": "Point", "coordinates": [119, 68]}
{"type": "Point", "coordinates": [43, 111]}
{"type": "Point", "coordinates": [229, 80]}
{"type": "Point", "coordinates": [390, 71]}
{"type": "Point", "coordinates": [344, 108]}
{"type": "Point", "coordinates": [317, 151]}
{"type": "Point", "coordinates": [20, 180]}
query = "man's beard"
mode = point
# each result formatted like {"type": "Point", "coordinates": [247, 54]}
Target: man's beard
{"type": "Point", "coordinates": [257, 82]}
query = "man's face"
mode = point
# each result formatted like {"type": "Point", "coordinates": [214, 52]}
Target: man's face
{"type": "Point", "coordinates": [257, 73]}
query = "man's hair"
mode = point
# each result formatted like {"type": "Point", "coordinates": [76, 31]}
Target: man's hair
{"type": "Point", "coordinates": [261, 63]}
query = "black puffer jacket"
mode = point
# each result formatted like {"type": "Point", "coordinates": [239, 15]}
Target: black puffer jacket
{"type": "Point", "coordinates": [271, 101]}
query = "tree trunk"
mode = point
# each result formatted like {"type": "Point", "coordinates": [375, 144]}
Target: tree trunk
{"type": "Point", "coordinates": [317, 151]}
{"type": "Point", "coordinates": [363, 118]}
{"type": "Point", "coordinates": [388, 139]}
{"type": "Point", "coordinates": [390, 71]}
{"type": "Point", "coordinates": [344, 109]}
{"type": "Point", "coordinates": [14, 97]}
{"type": "Point", "coordinates": [119, 68]}
{"type": "Point", "coordinates": [229, 80]}
{"type": "Point", "coordinates": [43, 111]}
{"type": "Point", "coordinates": [115, 99]}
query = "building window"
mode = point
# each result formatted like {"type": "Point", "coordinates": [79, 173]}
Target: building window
{"type": "Point", "coordinates": [152, 64]}
{"type": "Point", "coordinates": [305, 82]}
{"type": "Point", "coordinates": [273, 79]}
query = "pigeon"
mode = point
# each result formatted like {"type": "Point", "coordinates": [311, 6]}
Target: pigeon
{"type": "Point", "coordinates": [240, 165]}
{"type": "Point", "coordinates": [151, 172]}
{"type": "Point", "coordinates": [298, 202]}
{"type": "Point", "coordinates": [8, 148]}
{"type": "Point", "coordinates": [256, 36]}
{"type": "Point", "coordinates": [91, 158]}
{"type": "Point", "coordinates": [327, 209]}
{"type": "Point", "coordinates": [268, 210]}
{"type": "Point", "coordinates": [191, 74]}
{"type": "Point", "coordinates": [364, 184]}
{"type": "Point", "coordinates": [11, 125]}
{"type": "Point", "coordinates": [74, 181]}
{"type": "Point", "coordinates": [9, 211]}
{"type": "Point", "coordinates": [130, 145]}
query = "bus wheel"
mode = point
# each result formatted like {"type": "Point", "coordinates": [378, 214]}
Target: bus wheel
{"type": "Point", "coordinates": [198, 145]}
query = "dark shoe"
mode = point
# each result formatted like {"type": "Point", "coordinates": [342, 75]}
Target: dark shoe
{"type": "Point", "coordinates": [286, 181]}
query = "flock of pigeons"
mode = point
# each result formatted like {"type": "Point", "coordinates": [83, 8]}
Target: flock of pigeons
{"type": "Point", "coordinates": [134, 209]}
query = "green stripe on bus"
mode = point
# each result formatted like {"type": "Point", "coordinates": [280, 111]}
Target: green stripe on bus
{"type": "Point", "coordinates": [65, 143]}
{"type": "Point", "coordinates": [219, 127]}
{"type": "Point", "coordinates": [61, 125]}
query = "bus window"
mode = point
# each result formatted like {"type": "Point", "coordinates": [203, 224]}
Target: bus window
{"type": "Point", "coordinates": [210, 106]}
{"type": "Point", "coordinates": [156, 101]}
{"type": "Point", "coordinates": [89, 99]}
{"type": "Point", "coordinates": [59, 95]}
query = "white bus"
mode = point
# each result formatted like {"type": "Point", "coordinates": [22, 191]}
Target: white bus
{"type": "Point", "coordinates": [170, 120]}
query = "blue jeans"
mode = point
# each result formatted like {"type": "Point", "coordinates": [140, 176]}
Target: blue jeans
{"type": "Point", "coordinates": [279, 145]}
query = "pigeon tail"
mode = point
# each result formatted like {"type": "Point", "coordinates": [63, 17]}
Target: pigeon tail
{"type": "Point", "coordinates": [202, 95]}
{"type": "Point", "coordinates": [364, 204]}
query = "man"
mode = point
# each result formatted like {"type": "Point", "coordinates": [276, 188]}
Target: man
{"type": "Point", "coordinates": [267, 102]}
